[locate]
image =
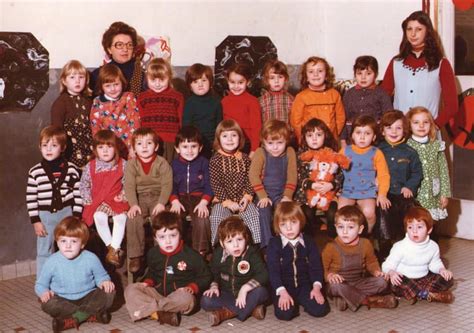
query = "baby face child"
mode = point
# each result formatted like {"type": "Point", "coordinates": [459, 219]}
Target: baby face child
{"type": "Point", "coordinates": [145, 143]}
{"type": "Point", "coordinates": [349, 224]}
{"type": "Point", "coordinates": [51, 148]}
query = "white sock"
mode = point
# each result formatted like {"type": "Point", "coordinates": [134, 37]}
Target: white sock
{"type": "Point", "coordinates": [119, 230]}
{"type": "Point", "coordinates": [102, 225]}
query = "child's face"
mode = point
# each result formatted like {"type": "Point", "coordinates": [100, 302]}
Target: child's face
{"type": "Point", "coordinates": [105, 152]}
{"type": "Point", "coordinates": [113, 89]}
{"type": "Point", "coordinates": [237, 83]}
{"type": "Point", "coordinates": [363, 136]}
{"type": "Point", "coordinates": [420, 124]}
{"type": "Point", "coordinates": [200, 86]}
{"type": "Point", "coordinates": [348, 231]}
{"type": "Point", "coordinates": [417, 231]}
{"type": "Point", "coordinates": [74, 83]}
{"type": "Point", "coordinates": [158, 85]}
{"type": "Point", "coordinates": [188, 150]}
{"type": "Point", "coordinates": [167, 239]}
{"type": "Point", "coordinates": [394, 132]}
{"type": "Point", "coordinates": [234, 245]}
{"type": "Point", "coordinates": [275, 147]}
{"type": "Point", "coordinates": [145, 147]}
{"type": "Point", "coordinates": [290, 228]}
{"type": "Point", "coordinates": [276, 82]}
{"type": "Point", "coordinates": [229, 141]}
{"type": "Point", "coordinates": [316, 74]}
{"type": "Point", "coordinates": [365, 77]}
{"type": "Point", "coordinates": [416, 34]}
{"type": "Point", "coordinates": [50, 149]}
{"type": "Point", "coordinates": [315, 139]}
{"type": "Point", "coordinates": [70, 247]}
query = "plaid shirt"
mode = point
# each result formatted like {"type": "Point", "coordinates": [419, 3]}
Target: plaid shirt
{"type": "Point", "coordinates": [275, 105]}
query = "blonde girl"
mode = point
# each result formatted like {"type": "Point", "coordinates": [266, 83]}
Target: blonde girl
{"type": "Point", "coordinates": [435, 187]}
{"type": "Point", "coordinates": [70, 111]}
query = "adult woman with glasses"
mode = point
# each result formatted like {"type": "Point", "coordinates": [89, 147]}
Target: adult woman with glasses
{"type": "Point", "coordinates": [119, 42]}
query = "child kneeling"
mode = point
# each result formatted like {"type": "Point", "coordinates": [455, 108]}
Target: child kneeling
{"type": "Point", "coordinates": [345, 261]}
{"type": "Point", "coordinates": [176, 274]}
{"type": "Point", "coordinates": [239, 276]}
{"type": "Point", "coordinates": [73, 286]}
{"type": "Point", "coordinates": [414, 264]}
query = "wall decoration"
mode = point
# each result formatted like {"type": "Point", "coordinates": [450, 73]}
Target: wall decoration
{"type": "Point", "coordinates": [254, 51]}
{"type": "Point", "coordinates": [24, 70]}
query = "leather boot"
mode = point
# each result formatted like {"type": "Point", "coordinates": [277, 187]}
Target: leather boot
{"type": "Point", "coordinates": [114, 257]}
{"type": "Point", "coordinates": [62, 324]}
{"type": "Point", "coordinates": [385, 302]}
{"type": "Point", "coordinates": [441, 297]}
{"type": "Point", "coordinates": [170, 318]}
{"type": "Point", "coordinates": [340, 303]}
{"type": "Point", "coordinates": [217, 316]}
{"type": "Point", "coordinates": [259, 312]}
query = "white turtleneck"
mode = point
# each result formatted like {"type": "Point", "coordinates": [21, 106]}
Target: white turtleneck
{"type": "Point", "coordinates": [413, 260]}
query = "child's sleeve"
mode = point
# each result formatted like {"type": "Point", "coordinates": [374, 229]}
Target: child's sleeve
{"type": "Point", "coordinates": [130, 186]}
{"type": "Point", "coordinates": [255, 123]}
{"type": "Point", "coordinates": [303, 174]}
{"type": "Point", "coordinates": [340, 114]}
{"type": "Point", "coordinates": [85, 185]}
{"type": "Point", "coordinates": [247, 187]}
{"type": "Point", "coordinates": [448, 93]}
{"type": "Point", "coordinates": [274, 255]}
{"type": "Point", "coordinates": [388, 83]}
{"type": "Point", "coordinates": [315, 265]}
{"type": "Point", "coordinates": [166, 180]}
{"type": "Point", "coordinates": [215, 176]}
{"type": "Point", "coordinates": [291, 174]}
{"type": "Point", "coordinates": [435, 264]}
{"type": "Point", "coordinates": [416, 172]}
{"type": "Point", "coordinates": [188, 113]}
{"type": "Point", "coordinates": [443, 171]}
{"type": "Point", "coordinates": [133, 117]}
{"type": "Point", "coordinates": [95, 116]}
{"type": "Point", "coordinates": [43, 281]}
{"type": "Point", "coordinates": [207, 193]}
{"type": "Point", "coordinates": [328, 257]}
{"type": "Point", "coordinates": [214, 266]}
{"type": "Point", "coordinates": [394, 258]}
{"type": "Point", "coordinates": [32, 198]}
{"type": "Point", "coordinates": [371, 261]}
{"type": "Point", "coordinates": [255, 173]}
{"type": "Point", "coordinates": [296, 116]}
{"type": "Point", "coordinates": [98, 271]}
{"type": "Point", "coordinates": [202, 273]}
{"type": "Point", "coordinates": [385, 102]}
{"type": "Point", "coordinates": [383, 175]}
{"type": "Point", "coordinates": [175, 190]}
{"type": "Point", "coordinates": [347, 102]}
{"type": "Point", "coordinates": [180, 108]}
{"type": "Point", "coordinates": [259, 270]}
{"type": "Point", "coordinates": [219, 115]}
{"type": "Point", "coordinates": [77, 206]}
{"type": "Point", "coordinates": [58, 112]}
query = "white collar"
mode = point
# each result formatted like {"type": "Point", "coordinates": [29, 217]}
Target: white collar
{"type": "Point", "coordinates": [294, 242]}
{"type": "Point", "coordinates": [421, 139]}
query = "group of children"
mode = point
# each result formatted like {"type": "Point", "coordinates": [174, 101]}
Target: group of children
{"type": "Point", "coordinates": [100, 162]}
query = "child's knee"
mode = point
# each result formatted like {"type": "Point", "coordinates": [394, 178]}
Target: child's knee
{"type": "Point", "coordinates": [317, 310]}
{"type": "Point", "coordinates": [285, 315]}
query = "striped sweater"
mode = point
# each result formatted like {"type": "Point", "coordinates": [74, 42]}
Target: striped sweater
{"type": "Point", "coordinates": [44, 192]}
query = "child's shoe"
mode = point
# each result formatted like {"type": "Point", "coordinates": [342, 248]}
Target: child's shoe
{"type": "Point", "coordinates": [259, 312]}
{"type": "Point", "coordinates": [340, 303]}
{"type": "Point", "coordinates": [218, 316]}
{"type": "Point", "coordinates": [135, 264]}
{"type": "Point", "coordinates": [101, 317]}
{"type": "Point", "coordinates": [385, 302]}
{"type": "Point", "coordinates": [441, 297]}
{"type": "Point", "coordinates": [114, 256]}
{"type": "Point", "coordinates": [62, 324]}
{"type": "Point", "coordinates": [170, 318]}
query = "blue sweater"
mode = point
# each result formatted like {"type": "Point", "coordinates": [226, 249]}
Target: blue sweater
{"type": "Point", "coordinates": [191, 178]}
{"type": "Point", "coordinates": [71, 279]}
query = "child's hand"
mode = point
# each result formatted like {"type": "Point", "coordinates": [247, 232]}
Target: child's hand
{"type": "Point", "coordinates": [335, 278]}
{"type": "Point", "coordinates": [407, 193]}
{"type": "Point", "coordinates": [187, 289]}
{"type": "Point", "coordinates": [232, 205]}
{"type": "Point", "coordinates": [133, 211]}
{"type": "Point", "coordinates": [46, 296]}
{"type": "Point", "coordinates": [447, 275]}
{"type": "Point", "coordinates": [241, 300]}
{"type": "Point", "coordinates": [176, 207]}
{"type": "Point", "coordinates": [316, 294]}
{"type": "Point", "coordinates": [395, 278]}
{"type": "Point", "coordinates": [243, 203]}
{"type": "Point", "coordinates": [285, 300]}
{"type": "Point", "coordinates": [380, 274]}
{"type": "Point", "coordinates": [214, 290]}
{"type": "Point", "coordinates": [444, 202]}
{"type": "Point", "coordinates": [262, 203]}
{"type": "Point", "coordinates": [158, 209]}
{"type": "Point", "coordinates": [107, 286]}
{"type": "Point", "coordinates": [202, 209]}
{"type": "Point", "coordinates": [322, 187]}
{"type": "Point", "coordinates": [383, 202]}
{"type": "Point", "coordinates": [40, 231]}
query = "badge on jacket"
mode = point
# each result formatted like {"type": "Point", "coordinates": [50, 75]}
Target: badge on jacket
{"type": "Point", "coordinates": [243, 267]}
{"type": "Point", "coordinates": [182, 265]}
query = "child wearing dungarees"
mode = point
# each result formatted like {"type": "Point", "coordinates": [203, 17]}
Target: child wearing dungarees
{"type": "Point", "coordinates": [345, 261]}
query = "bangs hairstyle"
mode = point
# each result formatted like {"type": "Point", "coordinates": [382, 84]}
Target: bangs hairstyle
{"type": "Point", "coordinates": [311, 126]}
{"type": "Point", "coordinates": [72, 226]}
{"type": "Point", "coordinates": [419, 214]}
{"type": "Point", "coordinates": [159, 68]}
{"type": "Point", "coordinates": [365, 120]}
{"type": "Point", "coordinates": [241, 69]}
{"type": "Point", "coordinates": [389, 117]}
{"type": "Point", "coordinates": [53, 132]}
{"type": "Point", "coordinates": [117, 28]}
{"type": "Point", "coordinates": [288, 210]}
{"type": "Point", "coordinates": [71, 67]}
{"type": "Point", "coordinates": [196, 72]}
{"type": "Point", "coordinates": [330, 77]}
{"type": "Point", "coordinates": [420, 109]}
{"type": "Point", "coordinates": [366, 62]}
{"type": "Point", "coordinates": [105, 137]}
{"type": "Point", "coordinates": [167, 220]}
{"type": "Point", "coordinates": [350, 213]}
{"type": "Point", "coordinates": [231, 227]}
{"type": "Point", "coordinates": [275, 129]}
{"type": "Point", "coordinates": [188, 133]}
{"type": "Point", "coordinates": [278, 68]}
{"type": "Point", "coordinates": [144, 131]}
{"type": "Point", "coordinates": [228, 125]}
{"type": "Point", "coordinates": [108, 74]}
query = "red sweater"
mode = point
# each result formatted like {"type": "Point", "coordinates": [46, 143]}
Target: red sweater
{"type": "Point", "coordinates": [245, 110]}
{"type": "Point", "coordinates": [163, 112]}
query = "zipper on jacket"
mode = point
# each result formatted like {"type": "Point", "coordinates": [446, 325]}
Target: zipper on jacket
{"type": "Point", "coordinates": [187, 179]}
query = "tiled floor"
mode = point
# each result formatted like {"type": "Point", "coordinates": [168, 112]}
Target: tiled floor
{"type": "Point", "coordinates": [20, 312]}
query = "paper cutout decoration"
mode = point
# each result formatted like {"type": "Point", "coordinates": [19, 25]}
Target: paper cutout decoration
{"type": "Point", "coordinates": [462, 125]}
{"type": "Point", "coordinates": [252, 50]}
{"type": "Point", "coordinates": [24, 68]}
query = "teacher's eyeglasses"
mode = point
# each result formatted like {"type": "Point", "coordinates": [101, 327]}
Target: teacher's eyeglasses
{"type": "Point", "coordinates": [121, 45]}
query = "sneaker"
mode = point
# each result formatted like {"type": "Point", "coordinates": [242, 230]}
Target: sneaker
{"type": "Point", "coordinates": [441, 297]}
{"type": "Point", "coordinates": [62, 324]}
{"type": "Point", "coordinates": [170, 318]}
{"type": "Point", "coordinates": [259, 312]}
{"type": "Point", "coordinates": [340, 303]}
{"type": "Point", "coordinates": [385, 302]}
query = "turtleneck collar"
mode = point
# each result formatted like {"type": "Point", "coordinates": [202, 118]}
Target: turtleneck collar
{"type": "Point", "coordinates": [421, 139]}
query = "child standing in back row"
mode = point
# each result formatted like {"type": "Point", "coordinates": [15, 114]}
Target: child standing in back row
{"type": "Point", "coordinates": [161, 107]}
